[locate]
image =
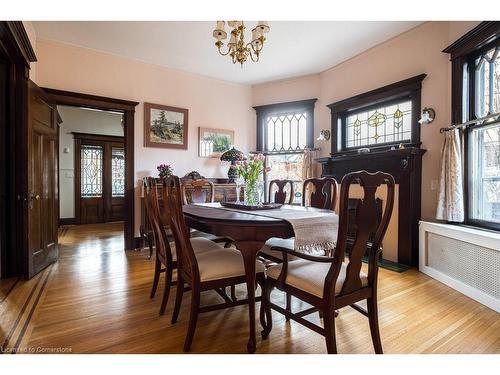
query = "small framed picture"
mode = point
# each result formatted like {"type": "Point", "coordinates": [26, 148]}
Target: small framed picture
{"type": "Point", "coordinates": [212, 143]}
{"type": "Point", "coordinates": [165, 126]}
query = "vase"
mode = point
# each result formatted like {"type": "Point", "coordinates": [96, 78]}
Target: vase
{"type": "Point", "coordinates": [251, 193]}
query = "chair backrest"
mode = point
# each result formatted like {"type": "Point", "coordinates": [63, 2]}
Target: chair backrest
{"type": "Point", "coordinates": [368, 231]}
{"type": "Point", "coordinates": [197, 191]}
{"type": "Point", "coordinates": [320, 193]}
{"type": "Point", "coordinates": [280, 193]}
{"type": "Point", "coordinates": [163, 250]}
{"type": "Point", "coordinates": [172, 201]}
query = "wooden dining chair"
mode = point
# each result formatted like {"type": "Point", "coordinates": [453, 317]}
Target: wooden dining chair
{"type": "Point", "coordinates": [329, 283]}
{"type": "Point", "coordinates": [198, 191]}
{"type": "Point", "coordinates": [166, 255]}
{"type": "Point", "coordinates": [320, 193]}
{"type": "Point", "coordinates": [216, 269]}
{"type": "Point", "coordinates": [280, 194]}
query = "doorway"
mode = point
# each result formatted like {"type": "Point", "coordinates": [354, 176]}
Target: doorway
{"type": "Point", "coordinates": [120, 207]}
{"type": "Point", "coordinates": [92, 166]}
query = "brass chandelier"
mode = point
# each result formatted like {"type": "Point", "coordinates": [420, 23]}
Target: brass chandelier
{"type": "Point", "coordinates": [237, 48]}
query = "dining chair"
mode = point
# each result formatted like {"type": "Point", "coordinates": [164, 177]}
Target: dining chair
{"type": "Point", "coordinates": [166, 255]}
{"type": "Point", "coordinates": [332, 282]}
{"type": "Point", "coordinates": [322, 193]}
{"type": "Point", "coordinates": [216, 269]}
{"type": "Point", "coordinates": [198, 191]}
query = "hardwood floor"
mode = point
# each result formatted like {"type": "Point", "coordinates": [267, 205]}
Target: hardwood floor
{"type": "Point", "coordinates": [96, 300]}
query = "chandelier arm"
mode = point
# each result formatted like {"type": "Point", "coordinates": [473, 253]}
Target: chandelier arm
{"type": "Point", "coordinates": [252, 52]}
{"type": "Point", "coordinates": [222, 53]}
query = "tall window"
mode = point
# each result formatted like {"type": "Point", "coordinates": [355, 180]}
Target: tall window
{"type": "Point", "coordinates": [378, 119]}
{"type": "Point", "coordinates": [284, 132]}
{"type": "Point", "coordinates": [475, 94]}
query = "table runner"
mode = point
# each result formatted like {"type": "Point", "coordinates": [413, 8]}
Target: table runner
{"type": "Point", "coordinates": [315, 230]}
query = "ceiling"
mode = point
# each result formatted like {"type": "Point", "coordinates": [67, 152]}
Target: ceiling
{"type": "Point", "coordinates": [293, 48]}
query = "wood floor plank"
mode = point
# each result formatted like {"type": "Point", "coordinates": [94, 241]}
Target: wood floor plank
{"type": "Point", "coordinates": [96, 300]}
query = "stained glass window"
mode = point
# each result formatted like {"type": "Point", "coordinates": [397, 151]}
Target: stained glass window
{"type": "Point", "coordinates": [91, 171]}
{"type": "Point", "coordinates": [286, 132]}
{"type": "Point", "coordinates": [487, 81]}
{"type": "Point", "coordinates": [386, 124]}
{"type": "Point", "coordinates": [118, 172]}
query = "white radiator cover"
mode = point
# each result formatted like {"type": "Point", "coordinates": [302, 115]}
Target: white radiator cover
{"type": "Point", "coordinates": [463, 258]}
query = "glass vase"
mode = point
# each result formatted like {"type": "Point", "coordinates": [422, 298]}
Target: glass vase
{"type": "Point", "coordinates": [251, 193]}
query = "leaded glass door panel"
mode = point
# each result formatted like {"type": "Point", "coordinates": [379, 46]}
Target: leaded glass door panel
{"type": "Point", "coordinates": [100, 178]}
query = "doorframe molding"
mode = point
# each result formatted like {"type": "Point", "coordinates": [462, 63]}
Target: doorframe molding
{"type": "Point", "coordinates": [15, 44]}
{"type": "Point", "coordinates": [127, 107]}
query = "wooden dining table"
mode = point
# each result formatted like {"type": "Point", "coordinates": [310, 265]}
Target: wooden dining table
{"type": "Point", "coordinates": [249, 230]}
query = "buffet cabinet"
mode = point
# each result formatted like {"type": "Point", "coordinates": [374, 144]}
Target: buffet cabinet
{"type": "Point", "coordinates": [224, 191]}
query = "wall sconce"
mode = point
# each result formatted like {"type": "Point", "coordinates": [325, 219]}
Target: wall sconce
{"type": "Point", "coordinates": [428, 116]}
{"type": "Point", "coordinates": [324, 135]}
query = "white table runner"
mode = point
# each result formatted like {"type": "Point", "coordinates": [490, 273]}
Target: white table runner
{"type": "Point", "coordinates": [315, 230]}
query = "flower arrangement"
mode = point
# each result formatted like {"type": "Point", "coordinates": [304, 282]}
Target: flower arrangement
{"type": "Point", "coordinates": [165, 170]}
{"type": "Point", "coordinates": [250, 170]}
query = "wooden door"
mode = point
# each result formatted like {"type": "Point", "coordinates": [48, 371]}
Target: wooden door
{"type": "Point", "coordinates": [99, 178]}
{"type": "Point", "coordinates": [42, 199]}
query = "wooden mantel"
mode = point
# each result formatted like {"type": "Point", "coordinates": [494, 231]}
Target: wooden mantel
{"type": "Point", "coordinates": [406, 167]}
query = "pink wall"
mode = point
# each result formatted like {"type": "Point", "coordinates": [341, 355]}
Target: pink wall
{"type": "Point", "coordinates": [211, 103]}
{"type": "Point", "coordinates": [414, 52]}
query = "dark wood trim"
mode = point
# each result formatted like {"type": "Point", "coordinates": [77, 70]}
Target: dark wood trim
{"type": "Point", "coordinates": [22, 40]}
{"type": "Point", "coordinates": [61, 97]}
{"type": "Point", "coordinates": [263, 111]}
{"type": "Point", "coordinates": [98, 137]}
{"type": "Point", "coordinates": [67, 221]}
{"type": "Point", "coordinates": [147, 126]}
{"type": "Point", "coordinates": [464, 51]}
{"type": "Point", "coordinates": [478, 37]}
{"type": "Point", "coordinates": [17, 51]}
{"type": "Point", "coordinates": [77, 99]}
{"type": "Point", "coordinates": [410, 88]}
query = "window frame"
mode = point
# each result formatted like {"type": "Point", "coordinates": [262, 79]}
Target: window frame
{"type": "Point", "coordinates": [265, 111]}
{"type": "Point", "coordinates": [408, 89]}
{"type": "Point", "coordinates": [465, 51]}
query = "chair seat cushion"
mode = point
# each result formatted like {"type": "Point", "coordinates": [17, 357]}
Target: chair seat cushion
{"type": "Point", "coordinates": [288, 243]}
{"type": "Point", "coordinates": [222, 263]}
{"type": "Point", "coordinates": [200, 245]}
{"type": "Point", "coordinates": [310, 276]}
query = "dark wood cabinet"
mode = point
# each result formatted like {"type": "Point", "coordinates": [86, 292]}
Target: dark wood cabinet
{"type": "Point", "coordinates": [406, 167]}
{"type": "Point", "coordinates": [224, 191]}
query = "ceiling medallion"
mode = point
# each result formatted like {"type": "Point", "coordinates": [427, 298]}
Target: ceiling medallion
{"type": "Point", "coordinates": [237, 48]}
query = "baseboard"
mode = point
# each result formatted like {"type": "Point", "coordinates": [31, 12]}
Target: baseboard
{"type": "Point", "coordinates": [67, 221]}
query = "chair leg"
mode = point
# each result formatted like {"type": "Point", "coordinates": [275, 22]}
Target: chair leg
{"type": "Point", "coordinates": [149, 237]}
{"type": "Point", "coordinates": [193, 319]}
{"type": "Point", "coordinates": [266, 299]}
{"type": "Point", "coordinates": [166, 291]}
{"type": "Point", "coordinates": [178, 298]}
{"type": "Point", "coordinates": [156, 278]}
{"type": "Point", "coordinates": [371, 303]}
{"type": "Point", "coordinates": [329, 325]}
{"type": "Point", "coordinates": [233, 293]}
{"type": "Point", "coordinates": [288, 305]}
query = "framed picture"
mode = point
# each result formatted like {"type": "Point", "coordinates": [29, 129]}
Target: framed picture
{"type": "Point", "coordinates": [165, 126]}
{"type": "Point", "coordinates": [212, 143]}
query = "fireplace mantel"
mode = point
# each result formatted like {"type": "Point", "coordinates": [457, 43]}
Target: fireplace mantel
{"type": "Point", "coordinates": [406, 167]}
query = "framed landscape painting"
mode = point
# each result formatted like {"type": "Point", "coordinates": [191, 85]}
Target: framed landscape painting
{"type": "Point", "coordinates": [212, 143]}
{"type": "Point", "coordinates": [165, 126]}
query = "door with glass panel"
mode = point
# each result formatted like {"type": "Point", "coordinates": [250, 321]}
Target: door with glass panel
{"type": "Point", "coordinates": [99, 178]}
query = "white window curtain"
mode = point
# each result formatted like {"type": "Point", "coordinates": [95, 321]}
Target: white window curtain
{"type": "Point", "coordinates": [308, 165]}
{"type": "Point", "coordinates": [451, 194]}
